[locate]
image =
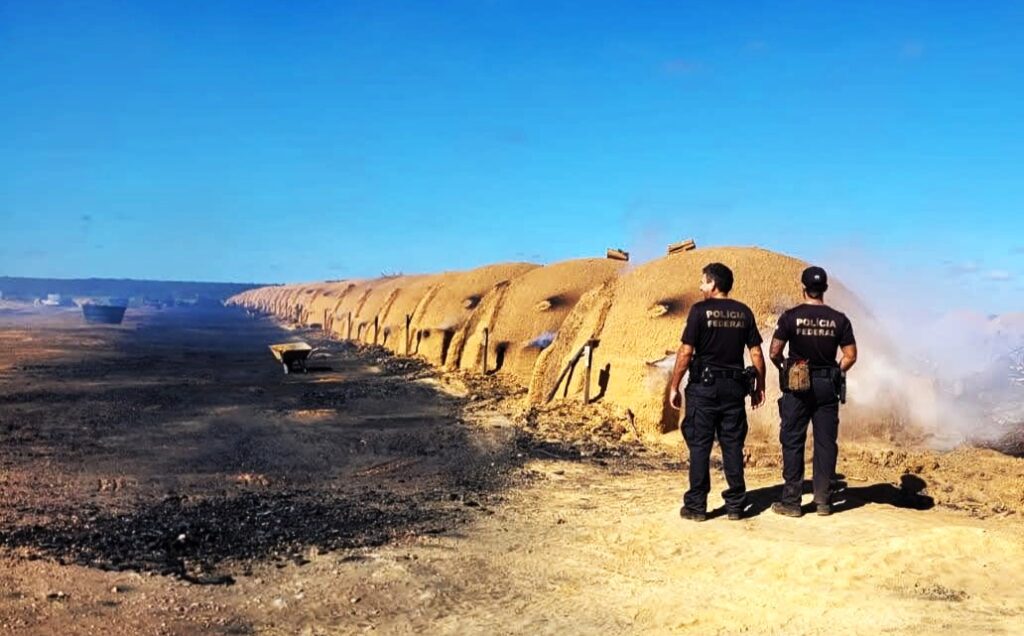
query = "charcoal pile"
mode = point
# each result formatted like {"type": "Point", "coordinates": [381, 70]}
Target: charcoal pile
{"type": "Point", "coordinates": [567, 432]}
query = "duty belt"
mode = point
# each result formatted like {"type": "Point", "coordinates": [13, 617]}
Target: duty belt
{"type": "Point", "coordinates": [823, 372]}
{"type": "Point", "coordinates": [731, 374]}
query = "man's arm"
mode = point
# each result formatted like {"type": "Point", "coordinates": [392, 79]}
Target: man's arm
{"type": "Point", "coordinates": [849, 358]}
{"type": "Point", "coordinates": [683, 358]}
{"type": "Point", "coordinates": [757, 360]}
{"type": "Point", "coordinates": [775, 352]}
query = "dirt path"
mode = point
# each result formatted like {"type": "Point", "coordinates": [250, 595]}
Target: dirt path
{"type": "Point", "coordinates": [588, 551]}
{"type": "Point", "coordinates": [377, 497]}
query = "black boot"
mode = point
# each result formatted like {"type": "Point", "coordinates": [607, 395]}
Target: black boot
{"type": "Point", "coordinates": [691, 515]}
{"type": "Point", "coordinates": [787, 510]}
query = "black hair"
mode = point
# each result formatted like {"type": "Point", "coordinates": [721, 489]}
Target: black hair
{"type": "Point", "coordinates": [720, 275]}
{"type": "Point", "coordinates": [816, 294]}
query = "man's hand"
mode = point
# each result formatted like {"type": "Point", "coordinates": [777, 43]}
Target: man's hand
{"type": "Point", "coordinates": [757, 399]}
{"type": "Point", "coordinates": [675, 398]}
{"type": "Point", "coordinates": [757, 359]}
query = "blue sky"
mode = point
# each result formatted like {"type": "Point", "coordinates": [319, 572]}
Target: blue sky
{"type": "Point", "coordinates": [296, 141]}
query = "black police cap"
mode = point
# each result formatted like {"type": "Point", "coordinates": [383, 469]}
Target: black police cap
{"type": "Point", "coordinates": [814, 279]}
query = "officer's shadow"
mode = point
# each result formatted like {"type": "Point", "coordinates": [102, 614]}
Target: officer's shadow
{"type": "Point", "coordinates": [909, 494]}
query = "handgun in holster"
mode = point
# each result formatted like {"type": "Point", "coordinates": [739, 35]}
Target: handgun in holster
{"type": "Point", "coordinates": [839, 379]}
{"type": "Point", "coordinates": [700, 373]}
{"type": "Point", "coordinates": [750, 373]}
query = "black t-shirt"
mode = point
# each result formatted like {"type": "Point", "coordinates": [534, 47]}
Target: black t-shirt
{"type": "Point", "coordinates": [815, 333]}
{"type": "Point", "coordinates": [719, 329]}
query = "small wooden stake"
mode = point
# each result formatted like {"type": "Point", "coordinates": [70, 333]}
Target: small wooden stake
{"type": "Point", "coordinates": [589, 352]}
{"type": "Point", "coordinates": [593, 342]}
{"type": "Point", "coordinates": [487, 342]}
{"type": "Point", "coordinates": [408, 321]}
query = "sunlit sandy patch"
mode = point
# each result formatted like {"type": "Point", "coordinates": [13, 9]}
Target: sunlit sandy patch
{"type": "Point", "coordinates": [312, 415]}
{"type": "Point", "coordinates": [326, 379]}
{"type": "Point", "coordinates": [251, 479]}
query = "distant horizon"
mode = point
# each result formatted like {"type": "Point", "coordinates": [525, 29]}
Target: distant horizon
{"type": "Point", "coordinates": [866, 276]}
{"type": "Point", "coordinates": [136, 280]}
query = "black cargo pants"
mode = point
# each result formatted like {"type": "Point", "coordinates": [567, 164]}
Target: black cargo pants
{"type": "Point", "coordinates": [713, 411]}
{"type": "Point", "coordinates": [820, 407]}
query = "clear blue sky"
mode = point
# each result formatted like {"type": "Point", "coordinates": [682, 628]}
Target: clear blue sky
{"type": "Point", "coordinates": [247, 141]}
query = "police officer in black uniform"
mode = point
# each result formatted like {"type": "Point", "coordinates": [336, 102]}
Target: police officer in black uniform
{"type": "Point", "coordinates": [717, 331]}
{"type": "Point", "coordinates": [815, 333]}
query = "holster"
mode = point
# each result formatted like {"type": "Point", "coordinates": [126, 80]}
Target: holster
{"type": "Point", "coordinates": [839, 379]}
{"type": "Point", "coordinates": [706, 377]}
{"type": "Point", "coordinates": [700, 373]}
{"type": "Point", "coordinates": [750, 373]}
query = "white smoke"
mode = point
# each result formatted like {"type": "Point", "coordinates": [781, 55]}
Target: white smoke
{"type": "Point", "coordinates": [939, 362]}
{"type": "Point", "coordinates": [659, 373]}
{"type": "Point", "coordinates": [543, 340]}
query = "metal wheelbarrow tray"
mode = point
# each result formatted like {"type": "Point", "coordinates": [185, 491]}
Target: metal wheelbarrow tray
{"type": "Point", "coordinates": [292, 355]}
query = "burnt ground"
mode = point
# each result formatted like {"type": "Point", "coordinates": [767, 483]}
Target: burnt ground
{"type": "Point", "coordinates": [165, 477]}
{"type": "Point", "coordinates": [176, 445]}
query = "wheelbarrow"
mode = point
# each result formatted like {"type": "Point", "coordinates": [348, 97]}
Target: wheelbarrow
{"type": "Point", "coordinates": [292, 355]}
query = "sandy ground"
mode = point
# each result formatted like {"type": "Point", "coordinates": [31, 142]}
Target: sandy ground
{"type": "Point", "coordinates": [163, 477]}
